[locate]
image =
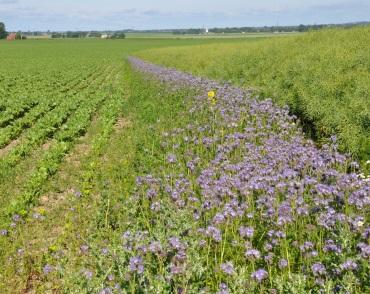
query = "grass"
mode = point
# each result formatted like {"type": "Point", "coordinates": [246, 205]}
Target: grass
{"type": "Point", "coordinates": [324, 77]}
{"type": "Point", "coordinates": [40, 148]}
{"type": "Point", "coordinates": [132, 185]}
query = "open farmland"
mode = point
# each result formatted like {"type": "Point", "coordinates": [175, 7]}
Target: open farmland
{"type": "Point", "coordinates": [324, 77]}
{"type": "Point", "coordinates": [122, 176]}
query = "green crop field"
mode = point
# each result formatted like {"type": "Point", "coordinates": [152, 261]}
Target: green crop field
{"type": "Point", "coordinates": [323, 77]}
{"type": "Point", "coordinates": [62, 102]}
{"type": "Point", "coordinates": [122, 176]}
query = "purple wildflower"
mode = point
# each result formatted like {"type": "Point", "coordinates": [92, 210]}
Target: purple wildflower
{"type": "Point", "coordinates": [47, 269]}
{"type": "Point", "coordinates": [88, 274]}
{"type": "Point", "coordinates": [136, 264]}
{"type": "Point", "coordinates": [259, 275]}
{"type": "Point", "coordinates": [349, 265]}
{"type": "Point", "coordinates": [246, 232]}
{"type": "Point", "coordinates": [171, 158]}
{"type": "Point", "coordinates": [253, 254]}
{"type": "Point", "coordinates": [318, 269]}
{"type": "Point", "coordinates": [104, 251]}
{"type": "Point", "coordinates": [228, 268]}
{"type": "Point", "coordinates": [214, 233]}
{"type": "Point", "coordinates": [175, 243]}
{"type": "Point", "coordinates": [283, 263]}
{"type": "Point", "coordinates": [176, 270]}
{"type": "Point", "coordinates": [223, 289]}
{"type": "Point", "coordinates": [107, 290]}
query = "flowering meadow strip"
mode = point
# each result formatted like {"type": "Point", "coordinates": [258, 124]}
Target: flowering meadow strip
{"type": "Point", "coordinates": [258, 205]}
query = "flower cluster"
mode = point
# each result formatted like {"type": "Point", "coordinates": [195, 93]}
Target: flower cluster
{"type": "Point", "coordinates": [241, 190]}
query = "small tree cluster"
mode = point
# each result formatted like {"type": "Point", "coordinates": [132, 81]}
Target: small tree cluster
{"type": "Point", "coordinates": [118, 36]}
{"type": "Point", "coordinates": [3, 33]}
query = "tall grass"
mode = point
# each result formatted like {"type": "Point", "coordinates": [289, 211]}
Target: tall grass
{"type": "Point", "coordinates": [323, 76]}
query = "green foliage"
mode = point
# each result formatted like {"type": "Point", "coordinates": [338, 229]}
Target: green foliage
{"type": "Point", "coordinates": [118, 36]}
{"type": "Point", "coordinates": [19, 36]}
{"type": "Point", "coordinates": [323, 76]}
{"type": "Point", "coordinates": [3, 33]}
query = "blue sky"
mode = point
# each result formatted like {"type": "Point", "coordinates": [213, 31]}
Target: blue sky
{"type": "Point", "coordinates": [160, 14]}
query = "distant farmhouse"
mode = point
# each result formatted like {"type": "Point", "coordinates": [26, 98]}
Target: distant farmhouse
{"type": "Point", "coordinates": [11, 37]}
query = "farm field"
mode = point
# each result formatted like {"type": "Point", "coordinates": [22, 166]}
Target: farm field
{"type": "Point", "coordinates": [60, 104]}
{"type": "Point", "coordinates": [322, 76]}
{"type": "Point", "coordinates": [208, 36]}
{"type": "Point", "coordinates": [123, 176]}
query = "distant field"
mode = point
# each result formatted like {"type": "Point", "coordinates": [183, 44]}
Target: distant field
{"type": "Point", "coordinates": [205, 36]}
{"type": "Point", "coordinates": [324, 77]}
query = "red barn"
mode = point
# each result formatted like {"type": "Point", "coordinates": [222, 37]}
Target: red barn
{"type": "Point", "coordinates": [11, 37]}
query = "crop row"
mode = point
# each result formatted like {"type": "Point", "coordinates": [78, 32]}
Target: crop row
{"type": "Point", "coordinates": [46, 104]}
{"type": "Point", "coordinates": [64, 140]}
{"type": "Point", "coordinates": [34, 89]}
{"type": "Point", "coordinates": [46, 126]}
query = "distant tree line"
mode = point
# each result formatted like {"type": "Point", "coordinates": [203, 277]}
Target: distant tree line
{"type": "Point", "coordinates": [266, 29]}
{"type": "Point", "coordinates": [87, 34]}
{"type": "Point", "coordinates": [3, 32]}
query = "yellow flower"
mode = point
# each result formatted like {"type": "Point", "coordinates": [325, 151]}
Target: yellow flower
{"type": "Point", "coordinates": [53, 248]}
{"type": "Point", "coordinates": [211, 94]}
{"type": "Point", "coordinates": [42, 211]}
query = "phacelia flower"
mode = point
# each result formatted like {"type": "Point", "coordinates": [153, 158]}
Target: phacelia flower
{"type": "Point", "coordinates": [259, 275]}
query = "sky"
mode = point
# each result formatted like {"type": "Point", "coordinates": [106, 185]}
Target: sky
{"type": "Point", "coordinates": [31, 15]}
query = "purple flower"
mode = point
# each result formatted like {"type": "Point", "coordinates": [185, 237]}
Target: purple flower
{"type": "Point", "coordinates": [16, 218]}
{"type": "Point", "coordinates": [176, 270]}
{"type": "Point", "coordinates": [253, 254]}
{"type": "Point", "coordinates": [228, 268]}
{"type": "Point", "coordinates": [349, 265]}
{"type": "Point", "coordinates": [47, 269]}
{"type": "Point", "coordinates": [104, 251]}
{"type": "Point", "coordinates": [155, 206]}
{"type": "Point", "coordinates": [330, 246]}
{"type": "Point", "coordinates": [136, 264]}
{"type": "Point", "coordinates": [4, 232]}
{"type": "Point", "coordinates": [88, 274]}
{"type": "Point", "coordinates": [318, 269]}
{"type": "Point", "coordinates": [175, 243]}
{"type": "Point", "coordinates": [306, 246]}
{"type": "Point", "coordinates": [283, 263]}
{"type": "Point", "coordinates": [269, 258]}
{"type": "Point", "coordinates": [107, 290]}
{"type": "Point", "coordinates": [365, 250]}
{"type": "Point", "coordinates": [155, 247]}
{"type": "Point", "coordinates": [171, 158]}
{"type": "Point", "coordinates": [214, 233]}
{"type": "Point", "coordinates": [259, 275]}
{"type": "Point", "coordinates": [223, 289]}
{"type": "Point", "coordinates": [246, 232]}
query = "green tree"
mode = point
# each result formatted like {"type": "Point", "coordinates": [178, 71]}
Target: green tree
{"type": "Point", "coordinates": [3, 33]}
{"type": "Point", "coordinates": [119, 35]}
